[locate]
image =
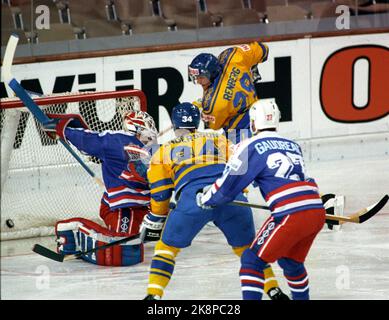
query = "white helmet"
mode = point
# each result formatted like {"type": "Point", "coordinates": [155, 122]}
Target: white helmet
{"type": "Point", "coordinates": [139, 122]}
{"type": "Point", "coordinates": [264, 114]}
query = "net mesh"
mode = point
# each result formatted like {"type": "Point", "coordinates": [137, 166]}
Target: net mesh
{"type": "Point", "coordinates": [43, 183]}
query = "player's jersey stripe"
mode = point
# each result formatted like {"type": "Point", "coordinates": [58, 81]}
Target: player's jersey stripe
{"type": "Point", "coordinates": [297, 277]}
{"type": "Point", "coordinates": [299, 290]}
{"type": "Point", "coordinates": [161, 188]}
{"type": "Point", "coordinates": [246, 279]}
{"type": "Point", "coordinates": [235, 121]}
{"type": "Point", "coordinates": [160, 274]}
{"type": "Point", "coordinates": [170, 253]}
{"type": "Point", "coordinates": [298, 283]}
{"type": "Point", "coordinates": [155, 286]}
{"type": "Point", "coordinates": [115, 191]}
{"type": "Point", "coordinates": [125, 200]}
{"type": "Point", "coordinates": [167, 260]}
{"type": "Point", "coordinates": [295, 198]}
{"type": "Point", "coordinates": [241, 121]}
{"type": "Point", "coordinates": [305, 184]}
{"type": "Point", "coordinates": [163, 195]}
{"type": "Point", "coordinates": [162, 182]}
{"type": "Point", "coordinates": [250, 271]}
{"type": "Point", "coordinates": [247, 288]}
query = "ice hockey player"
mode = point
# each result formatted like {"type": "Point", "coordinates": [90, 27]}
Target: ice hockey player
{"type": "Point", "coordinates": [228, 88]}
{"type": "Point", "coordinates": [297, 214]}
{"type": "Point", "coordinates": [127, 195]}
{"type": "Point", "coordinates": [184, 165]}
{"type": "Point", "coordinates": [229, 92]}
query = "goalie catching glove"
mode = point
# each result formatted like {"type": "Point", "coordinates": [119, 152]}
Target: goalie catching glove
{"type": "Point", "coordinates": [151, 227]}
{"type": "Point", "coordinates": [56, 128]}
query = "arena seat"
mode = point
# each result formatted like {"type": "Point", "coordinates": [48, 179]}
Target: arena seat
{"type": "Point", "coordinates": [148, 24]}
{"type": "Point", "coordinates": [84, 10]}
{"type": "Point", "coordinates": [57, 32]}
{"type": "Point", "coordinates": [187, 14]}
{"type": "Point", "coordinates": [6, 33]}
{"type": "Point", "coordinates": [371, 7]}
{"type": "Point", "coordinates": [95, 28]}
{"type": "Point", "coordinates": [240, 17]}
{"type": "Point", "coordinates": [258, 5]}
{"type": "Point", "coordinates": [234, 12]}
{"type": "Point", "coordinates": [126, 9]}
{"type": "Point", "coordinates": [7, 20]}
{"type": "Point", "coordinates": [286, 13]}
{"type": "Point", "coordinates": [323, 9]}
{"type": "Point", "coordinates": [219, 6]}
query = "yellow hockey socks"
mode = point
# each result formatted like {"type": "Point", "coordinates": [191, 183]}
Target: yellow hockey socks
{"type": "Point", "coordinates": [161, 269]}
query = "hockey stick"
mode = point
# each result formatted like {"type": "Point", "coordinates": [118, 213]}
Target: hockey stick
{"type": "Point", "coordinates": [45, 252]}
{"type": "Point", "coordinates": [31, 105]}
{"type": "Point", "coordinates": [164, 131]}
{"type": "Point", "coordinates": [358, 217]}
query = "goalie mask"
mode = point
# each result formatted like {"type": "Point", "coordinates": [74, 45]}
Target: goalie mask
{"type": "Point", "coordinates": [142, 124]}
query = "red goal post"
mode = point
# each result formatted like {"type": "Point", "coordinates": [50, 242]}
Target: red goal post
{"type": "Point", "coordinates": [41, 182]}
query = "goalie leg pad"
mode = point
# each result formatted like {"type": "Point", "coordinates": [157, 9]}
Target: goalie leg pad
{"type": "Point", "coordinates": [79, 235]}
{"type": "Point", "coordinates": [66, 232]}
{"type": "Point", "coordinates": [123, 220]}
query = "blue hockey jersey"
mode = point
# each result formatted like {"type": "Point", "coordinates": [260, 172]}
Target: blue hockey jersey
{"type": "Point", "coordinates": [125, 182]}
{"type": "Point", "coordinates": [276, 166]}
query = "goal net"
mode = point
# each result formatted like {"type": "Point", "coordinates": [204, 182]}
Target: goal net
{"type": "Point", "coordinates": [41, 182]}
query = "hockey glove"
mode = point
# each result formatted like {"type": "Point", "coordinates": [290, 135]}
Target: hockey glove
{"type": "Point", "coordinates": [255, 74]}
{"type": "Point", "coordinates": [331, 204]}
{"type": "Point", "coordinates": [151, 227]}
{"type": "Point", "coordinates": [61, 122]}
{"type": "Point", "coordinates": [200, 197]}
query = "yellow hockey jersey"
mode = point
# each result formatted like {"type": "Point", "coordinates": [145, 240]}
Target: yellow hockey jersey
{"type": "Point", "coordinates": [199, 155]}
{"type": "Point", "coordinates": [230, 95]}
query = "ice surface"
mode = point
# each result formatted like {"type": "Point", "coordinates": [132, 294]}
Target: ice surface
{"type": "Point", "coordinates": [352, 263]}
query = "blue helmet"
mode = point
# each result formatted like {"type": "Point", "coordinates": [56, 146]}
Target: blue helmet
{"type": "Point", "coordinates": [206, 65]}
{"type": "Point", "coordinates": [185, 116]}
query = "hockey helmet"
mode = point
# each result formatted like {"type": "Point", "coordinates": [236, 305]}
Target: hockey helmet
{"type": "Point", "coordinates": [264, 114]}
{"type": "Point", "coordinates": [204, 65]}
{"type": "Point", "coordinates": [185, 116]}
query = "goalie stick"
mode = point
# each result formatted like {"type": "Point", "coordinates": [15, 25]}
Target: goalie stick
{"type": "Point", "coordinates": [45, 252]}
{"type": "Point", "coordinates": [22, 94]}
{"type": "Point", "coordinates": [358, 217]}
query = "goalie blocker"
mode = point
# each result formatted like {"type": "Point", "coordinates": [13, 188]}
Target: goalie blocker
{"type": "Point", "coordinates": [78, 235]}
{"type": "Point", "coordinates": [61, 121]}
